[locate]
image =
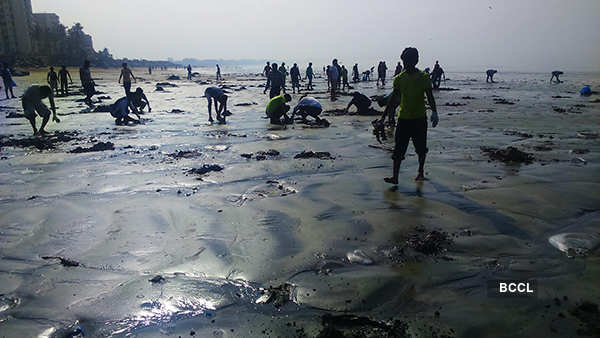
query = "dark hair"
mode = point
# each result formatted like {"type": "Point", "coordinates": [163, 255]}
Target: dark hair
{"type": "Point", "coordinates": [124, 64]}
{"type": "Point", "coordinates": [51, 68]}
{"type": "Point", "coordinates": [287, 97]}
{"type": "Point", "coordinates": [274, 65]}
{"type": "Point", "coordinates": [410, 56]}
{"type": "Point", "coordinates": [139, 90]}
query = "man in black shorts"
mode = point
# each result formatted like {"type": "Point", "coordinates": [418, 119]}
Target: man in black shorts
{"type": "Point", "coordinates": [32, 104]}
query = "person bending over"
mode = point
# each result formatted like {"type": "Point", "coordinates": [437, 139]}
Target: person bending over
{"type": "Point", "coordinates": [411, 86]}
{"type": "Point", "coordinates": [218, 97]}
{"type": "Point", "coordinates": [490, 75]}
{"type": "Point", "coordinates": [362, 103]}
{"type": "Point", "coordinates": [139, 100]}
{"type": "Point", "coordinates": [556, 74]}
{"type": "Point", "coordinates": [120, 111]}
{"type": "Point", "coordinates": [32, 104]}
{"type": "Point", "coordinates": [277, 109]}
{"type": "Point", "coordinates": [308, 106]}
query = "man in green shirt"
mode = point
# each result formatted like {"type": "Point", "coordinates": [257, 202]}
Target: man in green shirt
{"type": "Point", "coordinates": [277, 108]}
{"type": "Point", "coordinates": [411, 86]}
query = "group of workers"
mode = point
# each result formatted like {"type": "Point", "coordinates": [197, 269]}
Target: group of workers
{"type": "Point", "coordinates": [410, 86]}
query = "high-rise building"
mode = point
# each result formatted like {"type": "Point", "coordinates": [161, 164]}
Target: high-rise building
{"type": "Point", "coordinates": [16, 20]}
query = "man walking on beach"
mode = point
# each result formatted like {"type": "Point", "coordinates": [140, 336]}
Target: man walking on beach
{"type": "Point", "coordinates": [52, 79]}
{"type": "Point", "coordinates": [86, 82]}
{"type": "Point", "coordinates": [309, 75]}
{"type": "Point", "coordinates": [266, 72]}
{"type": "Point", "coordinates": [7, 80]}
{"type": "Point", "coordinates": [126, 75]}
{"type": "Point", "coordinates": [410, 87]}
{"type": "Point", "coordinates": [32, 104]}
{"type": "Point", "coordinates": [436, 75]}
{"type": "Point", "coordinates": [63, 74]}
{"type": "Point", "coordinates": [189, 70]}
{"type": "Point", "coordinates": [219, 73]}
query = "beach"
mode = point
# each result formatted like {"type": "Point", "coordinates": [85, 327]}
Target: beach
{"type": "Point", "coordinates": [173, 232]}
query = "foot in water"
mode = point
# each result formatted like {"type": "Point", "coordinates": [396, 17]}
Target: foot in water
{"type": "Point", "coordinates": [391, 180]}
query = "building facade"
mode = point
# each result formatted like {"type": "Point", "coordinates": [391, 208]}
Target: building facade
{"type": "Point", "coordinates": [16, 22]}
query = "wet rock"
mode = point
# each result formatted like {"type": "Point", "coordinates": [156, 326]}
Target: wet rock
{"type": "Point", "coordinates": [14, 115]}
{"type": "Point", "coordinates": [447, 89]}
{"type": "Point", "coordinates": [104, 97]}
{"type": "Point", "coordinates": [559, 97]}
{"type": "Point", "coordinates": [485, 111]}
{"type": "Point", "coordinates": [542, 148]}
{"type": "Point", "coordinates": [517, 133]}
{"type": "Point", "coordinates": [176, 111]}
{"type": "Point", "coordinates": [263, 155]}
{"type": "Point", "coordinates": [580, 151]}
{"type": "Point", "coordinates": [359, 257]}
{"type": "Point", "coordinates": [587, 135]}
{"type": "Point", "coordinates": [173, 77]}
{"type": "Point", "coordinates": [48, 141]}
{"type": "Point", "coordinates": [575, 243]}
{"type": "Point", "coordinates": [246, 155]}
{"type": "Point", "coordinates": [159, 89]}
{"type": "Point", "coordinates": [588, 314]}
{"type": "Point", "coordinates": [277, 295]}
{"type": "Point", "coordinates": [468, 98]}
{"type": "Point", "coordinates": [323, 155]}
{"type": "Point", "coordinates": [454, 104]}
{"type": "Point", "coordinates": [429, 243]}
{"type": "Point", "coordinates": [158, 279]}
{"type": "Point", "coordinates": [205, 169]}
{"type": "Point", "coordinates": [245, 104]}
{"type": "Point", "coordinates": [347, 325]}
{"type": "Point", "coordinates": [559, 110]}
{"type": "Point", "coordinates": [63, 261]}
{"type": "Point", "coordinates": [508, 155]}
{"type": "Point", "coordinates": [166, 84]}
{"type": "Point", "coordinates": [185, 154]}
{"type": "Point", "coordinates": [100, 146]}
{"type": "Point", "coordinates": [503, 101]}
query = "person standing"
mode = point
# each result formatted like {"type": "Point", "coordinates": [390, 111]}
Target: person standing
{"type": "Point", "coordinates": [126, 75]}
{"type": "Point", "coordinates": [276, 79]}
{"type": "Point", "coordinates": [284, 74]}
{"type": "Point", "coordinates": [410, 87]}
{"type": "Point", "coordinates": [266, 72]}
{"type": "Point", "coordinates": [381, 72]}
{"type": "Point", "coordinates": [345, 83]}
{"type": "Point", "coordinates": [436, 75]}
{"type": "Point", "coordinates": [63, 74]}
{"type": "Point", "coordinates": [219, 73]}
{"type": "Point", "coordinates": [398, 69]}
{"type": "Point", "coordinates": [355, 74]}
{"type": "Point", "coordinates": [189, 70]}
{"type": "Point", "coordinates": [85, 75]}
{"type": "Point", "coordinates": [7, 80]}
{"type": "Point", "coordinates": [334, 76]}
{"type": "Point", "coordinates": [52, 79]}
{"type": "Point", "coordinates": [295, 75]}
{"type": "Point", "coordinates": [309, 75]}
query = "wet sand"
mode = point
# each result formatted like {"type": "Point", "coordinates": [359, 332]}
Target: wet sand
{"type": "Point", "coordinates": [149, 247]}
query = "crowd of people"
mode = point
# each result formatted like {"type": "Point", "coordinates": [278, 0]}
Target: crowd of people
{"type": "Point", "coordinates": [404, 110]}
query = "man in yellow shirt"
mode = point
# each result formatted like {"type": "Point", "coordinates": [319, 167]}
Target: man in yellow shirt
{"type": "Point", "coordinates": [277, 109]}
{"type": "Point", "coordinates": [411, 86]}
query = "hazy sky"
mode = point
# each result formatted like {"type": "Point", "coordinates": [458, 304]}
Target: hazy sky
{"type": "Point", "coordinates": [526, 35]}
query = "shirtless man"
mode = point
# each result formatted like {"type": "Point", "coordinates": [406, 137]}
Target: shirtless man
{"type": "Point", "coordinates": [52, 79]}
{"type": "Point", "coordinates": [86, 82]}
{"type": "Point", "coordinates": [32, 104]}
{"type": "Point", "coordinates": [63, 74]}
{"type": "Point", "coordinates": [126, 75]}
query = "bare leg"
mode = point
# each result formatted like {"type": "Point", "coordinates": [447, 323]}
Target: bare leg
{"type": "Point", "coordinates": [420, 175]}
{"type": "Point", "coordinates": [396, 170]}
{"type": "Point", "coordinates": [32, 122]}
{"type": "Point", "coordinates": [44, 122]}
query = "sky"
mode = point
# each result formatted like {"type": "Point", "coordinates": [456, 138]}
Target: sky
{"type": "Point", "coordinates": [464, 35]}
